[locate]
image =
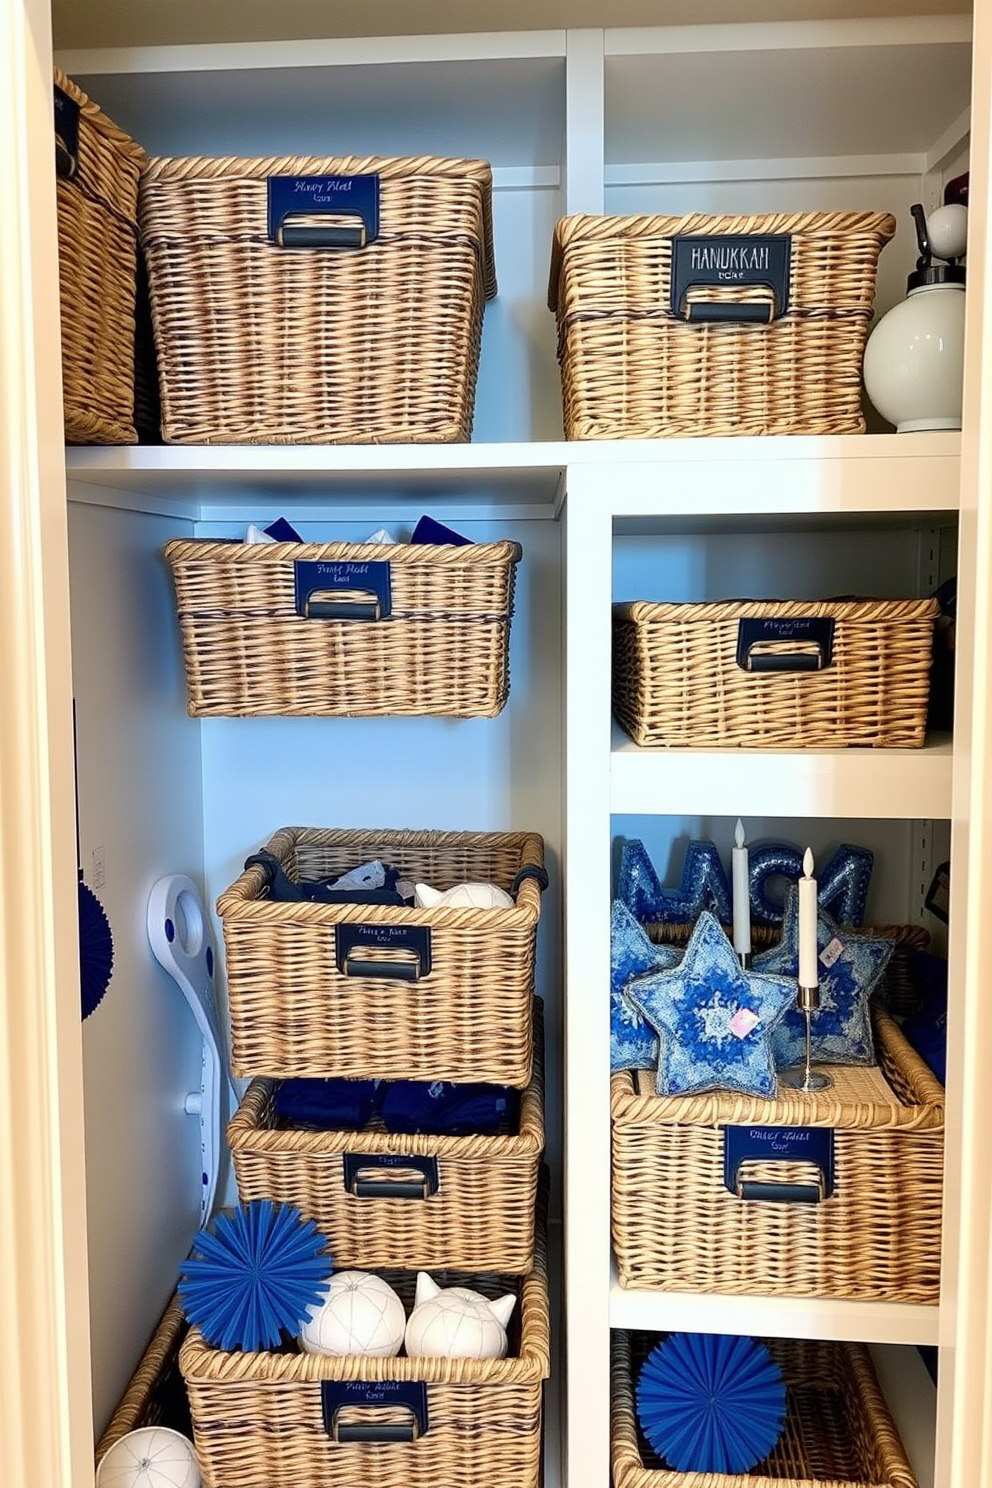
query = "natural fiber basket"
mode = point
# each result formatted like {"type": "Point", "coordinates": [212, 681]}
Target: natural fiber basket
{"type": "Point", "coordinates": [387, 1199]}
{"type": "Point", "coordinates": [454, 997]}
{"type": "Point", "coordinates": [789, 674]}
{"type": "Point", "coordinates": [279, 1420]}
{"type": "Point", "coordinates": [405, 629]}
{"type": "Point", "coordinates": [653, 340]}
{"type": "Point", "coordinates": [97, 202]}
{"type": "Point", "coordinates": [263, 344]}
{"type": "Point", "coordinates": [155, 1395]}
{"type": "Point", "coordinates": [838, 1432]}
{"type": "Point", "coordinates": [677, 1226]}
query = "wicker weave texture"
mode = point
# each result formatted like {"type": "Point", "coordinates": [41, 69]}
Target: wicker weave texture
{"type": "Point", "coordinates": [97, 226]}
{"type": "Point", "coordinates": [678, 1228]}
{"type": "Point", "coordinates": [480, 1219]}
{"type": "Point", "coordinates": [632, 368]}
{"type": "Point", "coordinates": [677, 682]}
{"type": "Point", "coordinates": [137, 1406]}
{"type": "Point", "coordinates": [293, 1012]}
{"type": "Point", "coordinates": [259, 344]}
{"type": "Point", "coordinates": [258, 1423]}
{"type": "Point", "coordinates": [444, 650]}
{"type": "Point", "coordinates": [838, 1433]}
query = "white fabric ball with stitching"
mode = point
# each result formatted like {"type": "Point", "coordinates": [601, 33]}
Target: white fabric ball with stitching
{"type": "Point", "coordinates": [360, 1314]}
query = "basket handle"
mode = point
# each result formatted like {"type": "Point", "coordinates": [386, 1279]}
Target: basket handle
{"type": "Point", "coordinates": [342, 591]}
{"type": "Point", "coordinates": [385, 1187]}
{"type": "Point", "coordinates": [724, 262]}
{"type": "Point", "coordinates": [413, 942]}
{"type": "Point", "coordinates": [816, 631]}
{"type": "Point", "coordinates": [323, 211]}
{"type": "Point", "coordinates": [336, 1395]}
{"type": "Point", "coordinates": [771, 1144]}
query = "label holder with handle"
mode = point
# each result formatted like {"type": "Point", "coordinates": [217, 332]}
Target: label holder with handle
{"type": "Point", "coordinates": [724, 262]}
{"type": "Point", "coordinates": [816, 631]}
{"type": "Point", "coordinates": [332, 590]}
{"type": "Point", "coordinates": [337, 212]}
{"type": "Point", "coordinates": [412, 941]}
{"type": "Point", "coordinates": [355, 1163]}
{"type": "Point", "coordinates": [771, 1144]}
{"type": "Point", "coordinates": [337, 1395]}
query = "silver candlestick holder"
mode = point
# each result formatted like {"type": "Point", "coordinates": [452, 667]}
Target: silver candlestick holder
{"type": "Point", "coordinates": [802, 1076]}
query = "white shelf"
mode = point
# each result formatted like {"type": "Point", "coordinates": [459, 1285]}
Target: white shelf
{"type": "Point", "coordinates": [772, 1317]}
{"type": "Point", "coordinates": [842, 783]}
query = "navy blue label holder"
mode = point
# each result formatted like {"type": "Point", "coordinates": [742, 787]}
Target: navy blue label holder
{"type": "Point", "coordinates": [415, 940]}
{"type": "Point", "coordinates": [389, 1188]}
{"type": "Point", "coordinates": [811, 1144]}
{"type": "Point", "coordinates": [726, 262]}
{"type": "Point", "coordinates": [817, 630]}
{"type": "Point", "coordinates": [336, 1395]}
{"type": "Point", "coordinates": [328, 590]}
{"type": "Point", "coordinates": [66, 134]}
{"type": "Point", "coordinates": [323, 211]}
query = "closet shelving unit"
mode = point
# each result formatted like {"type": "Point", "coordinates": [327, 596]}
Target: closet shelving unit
{"type": "Point", "coordinates": [738, 116]}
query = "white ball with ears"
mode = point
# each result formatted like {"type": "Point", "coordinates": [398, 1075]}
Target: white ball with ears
{"type": "Point", "coordinates": [456, 1323]}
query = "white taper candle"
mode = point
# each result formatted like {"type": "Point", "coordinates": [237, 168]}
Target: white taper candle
{"type": "Point", "coordinates": [809, 975]}
{"type": "Point", "coordinates": [742, 893]}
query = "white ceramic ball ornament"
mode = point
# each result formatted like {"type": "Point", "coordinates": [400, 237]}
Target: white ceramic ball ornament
{"type": "Point", "coordinates": [360, 1314]}
{"type": "Point", "coordinates": [151, 1457]}
{"type": "Point", "coordinates": [463, 896]}
{"type": "Point", "coordinates": [947, 229]}
{"type": "Point", "coordinates": [456, 1323]}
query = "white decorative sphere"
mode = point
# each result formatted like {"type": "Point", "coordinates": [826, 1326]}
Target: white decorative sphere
{"type": "Point", "coordinates": [947, 229]}
{"type": "Point", "coordinates": [914, 360]}
{"type": "Point", "coordinates": [151, 1457]}
{"type": "Point", "coordinates": [463, 896]}
{"type": "Point", "coordinates": [360, 1314]}
{"type": "Point", "coordinates": [456, 1323]}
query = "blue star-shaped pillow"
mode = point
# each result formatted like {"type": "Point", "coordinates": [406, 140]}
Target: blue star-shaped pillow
{"type": "Point", "coordinates": [715, 1021]}
{"type": "Point", "coordinates": [633, 1045]}
{"type": "Point", "coordinates": [850, 967]}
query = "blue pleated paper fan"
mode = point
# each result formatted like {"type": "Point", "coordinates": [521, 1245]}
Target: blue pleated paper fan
{"type": "Point", "coordinates": [255, 1275]}
{"type": "Point", "coordinates": [711, 1403]}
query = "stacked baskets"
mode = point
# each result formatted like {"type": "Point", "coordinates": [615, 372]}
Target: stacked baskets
{"type": "Point", "coordinates": [384, 992]}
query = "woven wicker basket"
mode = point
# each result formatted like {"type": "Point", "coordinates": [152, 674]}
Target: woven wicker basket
{"type": "Point", "coordinates": [678, 1227]}
{"type": "Point", "coordinates": [774, 673]}
{"type": "Point", "coordinates": [438, 644]}
{"type": "Point", "coordinates": [838, 1433]}
{"type": "Point", "coordinates": [454, 1000]}
{"type": "Point", "coordinates": [98, 235]}
{"type": "Point", "coordinates": [468, 1201]}
{"type": "Point", "coordinates": [259, 1418]}
{"type": "Point", "coordinates": [259, 344]}
{"type": "Point", "coordinates": [155, 1395]}
{"type": "Point", "coordinates": [646, 350]}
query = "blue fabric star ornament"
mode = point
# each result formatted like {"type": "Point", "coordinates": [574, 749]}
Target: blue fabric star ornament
{"type": "Point", "coordinates": [850, 968]}
{"type": "Point", "coordinates": [715, 1021]}
{"type": "Point", "coordinates": [633, 1045]}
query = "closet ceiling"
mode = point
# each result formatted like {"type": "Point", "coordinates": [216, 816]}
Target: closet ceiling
{"type": "Point", "coordinates": [95, 23]}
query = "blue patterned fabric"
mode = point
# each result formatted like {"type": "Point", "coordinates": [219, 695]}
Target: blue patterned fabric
{"type": "Point", "coordinates": [703, 885]}
{"type": "Point", "coordinates": [633, 1045]}
{"type": "Point", "coordinates": [715, 1022]}
{"type": "Point", "coordinates": [840, 1029]}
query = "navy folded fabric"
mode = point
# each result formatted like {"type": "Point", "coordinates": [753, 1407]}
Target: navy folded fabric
{"type": "Point", "coordinates": [428, 530]}
{"type": "Point", "coordinates": [442, 1109]}
{"type": "Point", "coordinates": [926, 1028]}
{"type": "Point", "coordinates": [283, 889]}
{"type": "Point", "coordinates": [325, 1105]}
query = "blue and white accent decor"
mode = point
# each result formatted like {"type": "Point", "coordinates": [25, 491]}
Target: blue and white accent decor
{"type": "Point", "coordinates": [849, 968]}
{"type": "Point", "coordinates": [633, 1044]}
{"type": "Point", "coordinates": [715, 1022]}
{"type": "Point", "coordinates": [703, 886]}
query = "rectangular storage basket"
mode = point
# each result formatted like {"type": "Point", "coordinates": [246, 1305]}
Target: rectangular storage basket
{"type": "Point", "coordinates": [678, 1226]}
{"type": "Point", "coordinates": [774, 673]}
{"type": "Point", "coordinates": [282, 1420]}
{"type": "Point", "coordinates": [714, 325]}
{"type": "Point", "coordinates": [376, 992]}
{"type": "Point", "coordinates": [263, 344]}
{"type": "Point", "coordinates": [98, 167]}
{"type": "Point", "coordinates": [465, 1201]}
{"type": "Point", "coordinates": [839, 1432]}
{"type": "Point", "coordinates": [406, 629]}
